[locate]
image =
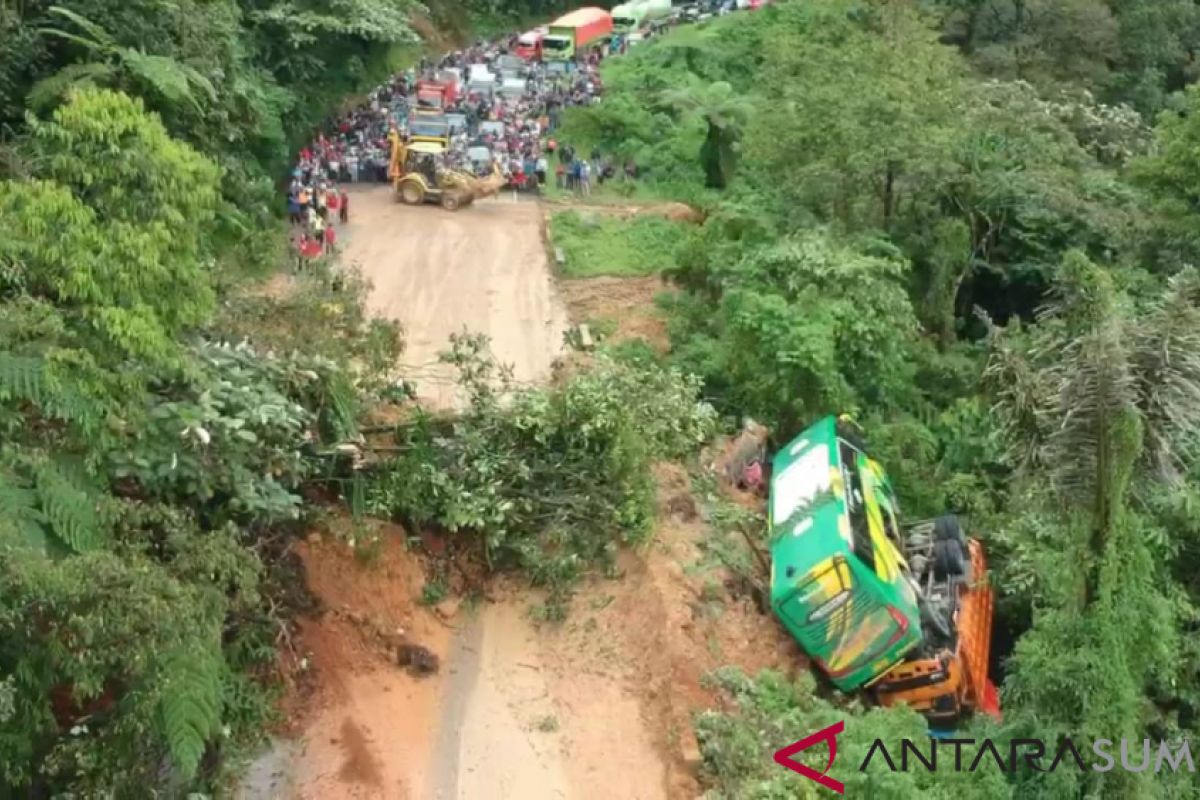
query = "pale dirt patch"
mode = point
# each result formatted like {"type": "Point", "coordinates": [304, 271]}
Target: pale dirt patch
{"type": "Point", "coordinates": [482, 267]}
{"type": "Point", "coordinates": [629, 302]}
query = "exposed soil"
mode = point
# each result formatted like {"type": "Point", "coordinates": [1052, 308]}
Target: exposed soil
{"type": "Point", "coordinates": [365, 726]}
{"type": "Point", "coordinates": [627, 303]}
{"type": "Point", "coordinates": [436, 271]}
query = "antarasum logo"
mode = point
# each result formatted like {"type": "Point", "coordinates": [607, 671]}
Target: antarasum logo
{"type": "Point", "coordinates": [970, 755]}
{"type": "Point", "coordinates": [828, 735]}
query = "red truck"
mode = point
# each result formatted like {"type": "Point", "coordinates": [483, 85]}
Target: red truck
{"type": "Point", "coordinates": [529, 44]}
{"type": "Point", "coordinates": [435, 96]}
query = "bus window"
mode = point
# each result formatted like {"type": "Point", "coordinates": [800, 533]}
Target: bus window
{"type": "Point", "coordinates": [856, 506]}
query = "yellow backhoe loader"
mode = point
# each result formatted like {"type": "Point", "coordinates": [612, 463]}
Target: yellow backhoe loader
{"type": "Point", "coordinates": [419, 175]}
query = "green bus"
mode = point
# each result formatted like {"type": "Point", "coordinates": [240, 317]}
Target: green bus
{"type": "Point", "coordinates": [839, 580]}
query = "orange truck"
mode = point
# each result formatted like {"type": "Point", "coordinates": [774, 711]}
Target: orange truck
{"type": "Point", "coordinates": [572, 33]}
{"type": "Point", "coordinates": [947, 677]}
{"type": "Point", "coordinates": [435, 96]}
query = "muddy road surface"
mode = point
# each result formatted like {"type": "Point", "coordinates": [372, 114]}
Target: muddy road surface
{"type": "Point", "coordinates": [482, 267]}
{"type": "Point", "coordinates": [598, 707]}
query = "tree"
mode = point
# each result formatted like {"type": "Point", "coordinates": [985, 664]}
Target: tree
{"type": "Point", "coordinates": [723, 112]}
{"type": "Point", "coordinates": [1099, 405]}
{"type": "Point", "coordinates": [862, 109]}
{"type": "Point", "coordinates": [171, 80]}
{"type": "Point", "coordinates": [114, 230]}
{"type": "Point", "coordinates": [807, 326]}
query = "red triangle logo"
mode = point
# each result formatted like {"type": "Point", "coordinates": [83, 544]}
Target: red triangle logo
{"type": "Point", "coordinates": [828, 735]}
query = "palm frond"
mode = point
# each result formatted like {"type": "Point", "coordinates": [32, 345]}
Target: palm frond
{"type": "Point", "coordinates": [165, 75]}
{"type": "Point", "coordinates": [1019, 399]}
{"type": "Point", "coordinates": [1166, 358]}
{"type": "Point", "coordinates": [1092, 386]}
{"type": "Point", "coordinates": [101, 40]}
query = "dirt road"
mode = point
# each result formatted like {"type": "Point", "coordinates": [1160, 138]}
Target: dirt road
{"type": "Point", "coordinates": [598, 708]}
{"type": "Point", "coordinates": [482, 267]}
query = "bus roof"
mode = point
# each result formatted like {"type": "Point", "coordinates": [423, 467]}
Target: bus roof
{"type": "Point", "coordinates": [580, 16]}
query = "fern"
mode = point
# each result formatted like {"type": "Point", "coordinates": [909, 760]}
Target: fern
{"type": "Point", "coordinates": [27, 378]}
{"type": "Point", "coordinates": [22, 378]}
{"type": "Point", "coordinates": [101, 40]}
{"type": "Point", "coordinates": [19, 514]}
{"type": "Point", "coordinates": [169, 78]}
{"type": "Point", "coordinates": [69, 505]}
{"type": "Point", "coordinates": [47, 91]}
{"type": "Point", "coordinates": [191, 706]}
{"type": "Point", "coordinates": [172, 79]}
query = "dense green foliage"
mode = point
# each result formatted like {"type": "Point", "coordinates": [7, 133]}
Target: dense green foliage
{"type": "Point", "coordinates": [967, 221]}
{"type": "Point", "coordinates": [549, 481]}
{"type": "Point", "coordinates": [143, 457]}
{"type": "Point", "coordinates": [146, 460]}
{"type": "Point", "coordinates": [240, 80]}
{"type": "Point", "coordinates": [769, 708]}
{"type": "Point", "coordinates": [942, 218]}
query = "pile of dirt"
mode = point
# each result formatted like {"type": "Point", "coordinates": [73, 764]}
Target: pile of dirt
{"type": "Point", "coordinates": [626, 302]}
{"type": "Point", "coordinates": [364, 726]}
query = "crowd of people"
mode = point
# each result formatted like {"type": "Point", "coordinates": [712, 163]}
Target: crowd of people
{"type": "Point", "coordinates": [495, 129]}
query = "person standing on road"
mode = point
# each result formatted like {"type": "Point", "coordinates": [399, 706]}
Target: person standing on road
{"type": "Point", "coordinates": [318, 224]}
{"type": "Point", "coordinates": [585, 178]}
{"type": "Point", "coordinates": [344, 207]}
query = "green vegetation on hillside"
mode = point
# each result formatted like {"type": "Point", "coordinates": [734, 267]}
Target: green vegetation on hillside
{"type": "Point", "coordinates": [983, 254]}
{"type": "Point", "coordinates": [155, 436]}
{"type": "Point", "coordinates": [969, 222]}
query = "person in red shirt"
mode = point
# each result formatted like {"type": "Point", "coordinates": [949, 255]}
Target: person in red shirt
{"type": "Point", "coordinates": [301, 249]}
{"type": "Point", "coordinates": [330, 239]}
{"type": "Point", "coordinates": [344, 207]}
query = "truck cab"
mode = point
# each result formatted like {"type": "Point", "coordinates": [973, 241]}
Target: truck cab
{"type": "Point", "coordinates": [529, 44]}
{"type": "Point", "coordinates": [627, 18]}
{"type": "Point", "coordinates": [432, 97]}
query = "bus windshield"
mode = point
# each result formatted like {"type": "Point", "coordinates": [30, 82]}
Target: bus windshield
{"type": "Point", "coordinates": [800, 483]}
{"type": "Point", "coordinates": [556, 43]}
